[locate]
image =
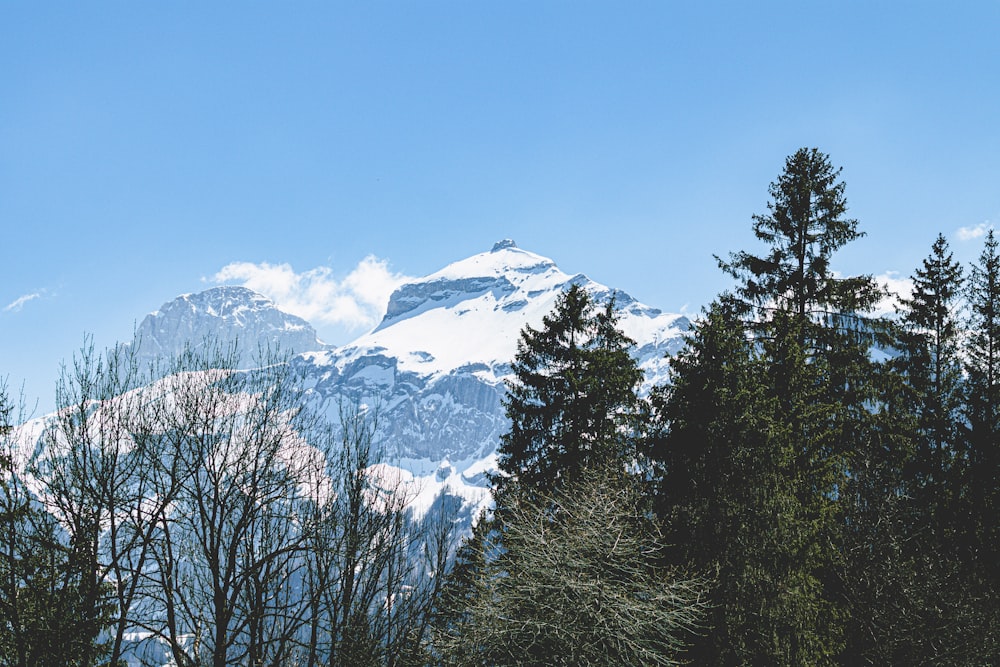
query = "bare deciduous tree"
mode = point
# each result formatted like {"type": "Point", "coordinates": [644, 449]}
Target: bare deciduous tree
{"type": "Point", "coordinates": [207, 518]}
{"type": "Point", "coordinates": [373, 572]}
{"type": "Point", "coordinates": [575, 582]}
{"type": "Point", "coordinates": [227, 549]}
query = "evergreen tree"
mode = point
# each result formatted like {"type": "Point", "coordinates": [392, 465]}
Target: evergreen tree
{"type": "Point", "coordinates": [567, 571]}
{"type": "Point", "coordinates": [983, 410]}
{"type": "Point", "coordinates": [914, 599]}
{"type": "Point", "coordinates": [720, 495]}
{"type": "Point", "coordinates": [884, 595]}
{"type": "Point", "coordinates": [573, 400]}
{"type": "Point", "coordinates": [49, 616]}
{"type": "Point", "coordinates": [933, 369]}
{"type": "Point", "coordinates": [804, 226]}
{"type": "Point", "coordinates": [783, 408]}
{"type": "Point", "coordinates": [452, 613]}
{"type": "Point", "coordinates": [976, 516]}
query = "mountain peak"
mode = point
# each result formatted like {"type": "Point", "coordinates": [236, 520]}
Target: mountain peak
{"type": "Point", "coordinates": [502, 272]}
{"type": "Point", "coordinates": [227, 314]}
{"type": "Point", "coordinates": [504, 259]}
{"type": "Point", "coordinates": [503, 245]}
{"type": "Point", "coordinates": [223, 301]}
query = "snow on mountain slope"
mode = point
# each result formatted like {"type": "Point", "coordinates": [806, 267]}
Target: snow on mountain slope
{"type": "Point", "coordinates": [471, 313]}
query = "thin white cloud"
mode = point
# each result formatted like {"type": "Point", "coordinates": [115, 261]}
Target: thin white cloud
{"type": "Point", "coordinates": [18, 303]}
{"type": "Point", "coordinates": [970, 233]}
{"type": "Point", "coordinates": [357, 301]}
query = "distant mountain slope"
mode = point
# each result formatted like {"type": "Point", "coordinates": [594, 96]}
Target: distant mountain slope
{"type": "Point", "coordinates": [226, 315]}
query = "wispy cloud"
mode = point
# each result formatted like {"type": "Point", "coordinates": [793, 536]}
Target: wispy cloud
{"type": "Point", "coordinates": [357, 301]}
{"type": "Point", "coordinates": [970, 233]}
{"type": "Point", "coordinates": [18, 303]}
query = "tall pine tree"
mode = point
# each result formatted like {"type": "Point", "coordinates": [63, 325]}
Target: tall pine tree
{"type": "Point", "coordinates": [568, 570]}
{"type": "Point", "coordinates": [928, 611]}
{"type": "Point", "coordinates": [805, 225]}
{"type": "Point", "coordinates": [979, 490]}
{"type": "Point", "coordinates": [720, 492]}
{"type": "Point", "coordinates": [802, 383]}
{"type": "Point", "coordinates": [933, 368]}
{"type": "Point", "coordinates": [983, 409]}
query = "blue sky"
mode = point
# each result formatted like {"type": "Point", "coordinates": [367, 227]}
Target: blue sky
{"type": "Point", "coordinates": [322, 150]}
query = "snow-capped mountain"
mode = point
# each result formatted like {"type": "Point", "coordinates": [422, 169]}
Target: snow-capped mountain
{"type": "Point", "coordinates": [471, 313]}
{"type": "Point", "coordinates": [437, 362]}
{"type": "Point", "coordinates": [227, 315]}
{"type": "Point", "coordinates": [434, 367]}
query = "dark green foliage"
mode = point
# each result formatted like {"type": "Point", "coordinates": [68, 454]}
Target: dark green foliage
{"type": "Point", "coordinates": [931, 604]}
{"type": "Point", "coordinates": [458, 593]}
{"type": "Point", "coordinates": [979, 524]}
{"type": "Point", "coordinates": [933, 369]}
{"type": "Point", "coordinates": [915, 578]}
{"type": "Point", "coordinates": [874, 509]}
{"type": "Point", "coordinates": [747, 491]}
{"type": "Point", "coordinates": [719, 494]}
{"type": "Point", "coordinates": [804, 226]}
{"type": "Point", "coordinates": [983, 350]}
{"type": "Point", "coordinates": [573, 403]}
{"type": "Point", "coordinates": [911, 601]}
{"type": "Point", "coordinates": [766, 407]}
{"type": "Point", "coordinates": [983, 410]}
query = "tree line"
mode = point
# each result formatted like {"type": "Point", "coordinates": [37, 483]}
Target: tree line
{"type": "Point", "coordinates": [814, 485]}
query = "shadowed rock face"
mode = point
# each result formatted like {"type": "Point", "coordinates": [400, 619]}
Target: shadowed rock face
{"type": "Point", "coordinates": [484, 276]}
{"type": "Point", "coordinates": [412, 299]}
{"type": "Point", "coordinates": [457, 416]}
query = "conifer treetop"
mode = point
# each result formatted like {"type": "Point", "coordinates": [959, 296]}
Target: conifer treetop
{"type": "Point", "coordinates": [805, 225]}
